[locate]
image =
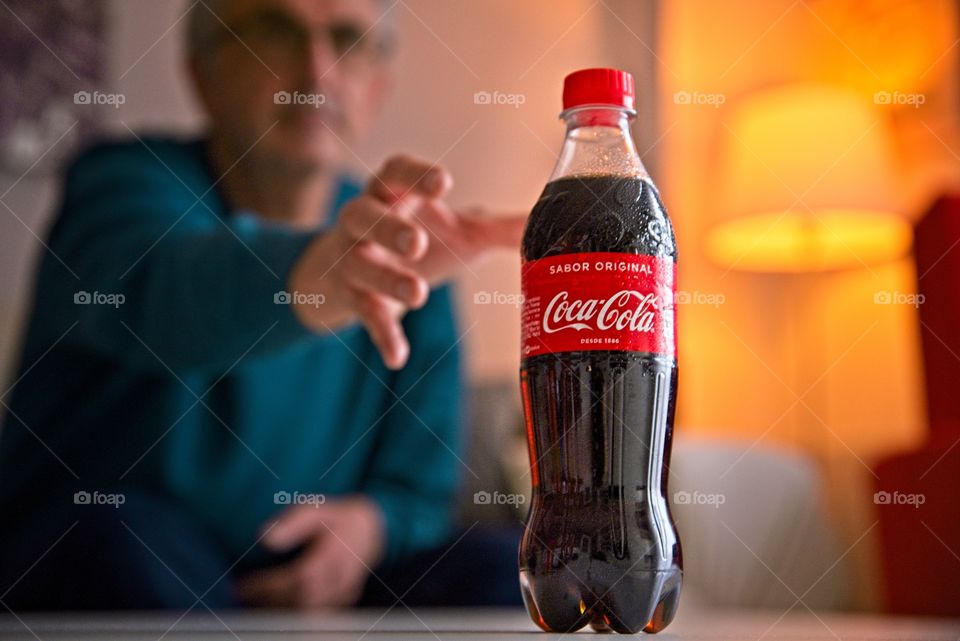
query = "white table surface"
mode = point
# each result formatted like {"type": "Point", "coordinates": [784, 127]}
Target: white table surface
{"type": "Point", "coordinates": [460, 625]}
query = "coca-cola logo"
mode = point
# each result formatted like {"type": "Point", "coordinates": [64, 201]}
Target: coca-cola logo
{"type": "Point", "coordinates": [627, 309]}
{"type": "Point", "coordinates": [605, 301]}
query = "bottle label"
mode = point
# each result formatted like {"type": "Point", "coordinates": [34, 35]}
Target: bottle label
{"type": "Point", "coordinates": [599, 301]}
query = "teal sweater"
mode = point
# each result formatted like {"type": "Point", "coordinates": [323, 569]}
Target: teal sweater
{"type": "Point", "coordinates": [183, 376]}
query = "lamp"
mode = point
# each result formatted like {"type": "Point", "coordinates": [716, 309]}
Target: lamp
{"type": "Point", "coordinates": [806, 184]}
{"type": "Point", "coordinates": [806, 187]}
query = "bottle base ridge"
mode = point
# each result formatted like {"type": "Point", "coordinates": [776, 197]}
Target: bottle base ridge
{"type": "Point", "coordinates": [557, 607]}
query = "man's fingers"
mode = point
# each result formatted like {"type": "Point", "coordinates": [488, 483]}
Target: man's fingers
{"type": "Point", "coordinates": [402, 175]}
{"type": "Point", "coordinates": [368, 269]}
{"type": "Point", "coordinates": [276, 588]}
{"type": "Point", "coordinates": [332, 574]}
{"type": "Point", "coordinates": [303, 583]}
{"type": "Point", "coordinates": [368, 219]}
{"type": "Point", "coordinates": [321, 563]}
{"type": "Point", "coordinates": [381, 317]}
{"type": "Point", "coordinates": [492, 231]}
{"type": "Point", "coordinates": [293, 526]}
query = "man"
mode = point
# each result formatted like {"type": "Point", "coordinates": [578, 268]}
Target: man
{"type": "Point", "coordinates": [237, 386]}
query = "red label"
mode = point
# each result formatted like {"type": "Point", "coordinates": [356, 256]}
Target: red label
{"type": "Point", "coordinates": [599, 301]}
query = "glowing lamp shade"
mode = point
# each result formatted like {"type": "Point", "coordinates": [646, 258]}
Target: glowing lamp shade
{"type": "Point", "coordinates": [806, 183]}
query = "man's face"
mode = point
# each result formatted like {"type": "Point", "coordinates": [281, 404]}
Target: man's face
{"type": "Point", "coordinates": [301, 74]}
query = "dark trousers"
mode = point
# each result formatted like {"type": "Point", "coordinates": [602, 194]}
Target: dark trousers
{"type": "Point", "coordinates": [146, 554]}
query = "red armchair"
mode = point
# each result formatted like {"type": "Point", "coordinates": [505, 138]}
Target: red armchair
{"type": "Point", "coordinates": [918, 493]}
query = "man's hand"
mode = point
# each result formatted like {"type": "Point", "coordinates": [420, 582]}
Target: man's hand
{"type": "Point", "coordinates": [389, 246]}
{"type": "Point", "coordinates": [344, 540]}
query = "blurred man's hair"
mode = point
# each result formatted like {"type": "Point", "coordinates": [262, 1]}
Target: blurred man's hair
{"type": "Point", "coordinates": [205, 27]}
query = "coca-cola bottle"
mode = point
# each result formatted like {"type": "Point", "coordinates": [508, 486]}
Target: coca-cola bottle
{"type": "Point", "coordinates": [599, 377]}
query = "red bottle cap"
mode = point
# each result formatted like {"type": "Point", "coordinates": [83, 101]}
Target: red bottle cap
{"type": "Point", "coordinates": [598, 87]}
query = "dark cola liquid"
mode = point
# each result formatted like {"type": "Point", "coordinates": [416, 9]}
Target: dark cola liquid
{"type": "Point", "coordinates": [600, 546]}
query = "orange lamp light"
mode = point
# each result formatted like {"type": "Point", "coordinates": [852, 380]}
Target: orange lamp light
{"type": "Point", "coordinates": [806, 183]}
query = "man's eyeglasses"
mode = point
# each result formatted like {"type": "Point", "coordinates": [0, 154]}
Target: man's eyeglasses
{"type": "Point", "coordinates": [276, 36]}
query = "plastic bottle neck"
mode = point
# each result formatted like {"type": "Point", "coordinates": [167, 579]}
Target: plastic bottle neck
{"type": "Point", "coordinates": [598, 142]}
